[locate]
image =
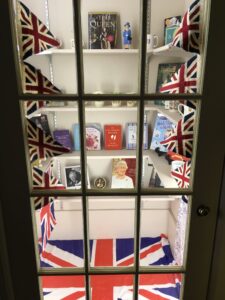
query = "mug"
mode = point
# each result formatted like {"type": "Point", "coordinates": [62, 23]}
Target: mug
{"type": "Point", "coordinates": [183, 109]}
{"type": "Point", "coordinates": [99, 103]}
{"type": "Point", "coordinates": [152, 41]}
{"type": "Point", "coordinates": [116, 103]}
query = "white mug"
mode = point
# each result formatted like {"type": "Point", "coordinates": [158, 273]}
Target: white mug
{"type": "Point", "coordinates": [183, 109]}
{"type": "Point", "coordinates": [152, 41]}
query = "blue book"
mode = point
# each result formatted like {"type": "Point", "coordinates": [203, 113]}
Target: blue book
{"type": "Point", "coordinates": [162, 129]}
{"type": "Point", "coordinates": [63, 137]}
{"type": "Point", "coordinates": [76, 137]}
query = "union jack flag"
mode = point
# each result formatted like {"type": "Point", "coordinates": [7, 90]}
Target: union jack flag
{"type": "Point", "coordinates": [48, 222]}
{"type": "Point", "coordinates": [36, 83]}
{"type": "Point", "coordinates": [180, 139]}
{"type": "Point", "coordinates": [35, 36]}
{"type": "Point", "coordinates": [42, 180]}
{"type": "Point", "coordinates": [31, 106]}
{"type": "Point", "coordinates": [182, 174]}
{"type": "Point", "coordinates": [39, 202]}
{"type": "Point", "coordinates": [188, 34]}
{"type": "Point", "coordinates": [113, 287]}
{"type": "Point", "coordinates": [107, 252]}
{"type": "Point", "coordinates": [42, 145]}
{"type": "Point", "coordinates": [185, 80]}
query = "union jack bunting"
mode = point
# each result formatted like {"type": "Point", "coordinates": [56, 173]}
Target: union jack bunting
{"type": "Point", "coordinates": [182, 174]}
{"type": "Point", "coordinates": [48, 222]}
{"type": "Point", "coordinates": [180, 140]}
{"type": "Point", "coordinates": [36, 83]}
{"type": "Point", "coordinates": [107, 252]}
{"type": "Point", "coordinates": [42, 180]}
{"type": "Point", "coordinates": [39, 202]}
{"type": "Point", "coordinates": [117, 287]}
{"type": "Point", "coordinates": [35, 36]}
{"type": "Point", "coordinates": [185, 80]}
{"type": "Point", "coordinates": [31, 106]}
{"type": "Point", "coordinates": [42, 145]}
{"type": "Point", "coordinates": [188, 34]}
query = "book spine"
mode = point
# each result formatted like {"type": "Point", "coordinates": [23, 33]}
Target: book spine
{"type": "Point", "coordinates": [76, 137]}
{"type": "Point", "coordinates": [145, 137]}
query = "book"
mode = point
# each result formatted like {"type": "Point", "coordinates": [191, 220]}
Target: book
{"type": "Point", "coordinates": [76, 137]}
{"type": "Point", "coordinates": [165, 72]}
{"type": "Point", "coordinates": [131, 136]}
{"type": "Point", "coordinates": [42, 123]}
{"type": "Point", "coordinates": [63, 137]}
{"type": "Point", "coordinates": [93, 137]}
{"type": "Point", "coordinates": [113, 137]}
{"type": "Point", "coordinates": [162, 128]}
{"type": "Point", "coordinates": [102, 30]}
{"type": "Point", "coordinates": [171, 25]}
{"type": "Point", "coordinates": [123, 173]}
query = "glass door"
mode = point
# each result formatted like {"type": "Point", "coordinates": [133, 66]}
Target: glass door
{"type": "Point", "coordinates": [116, 193]}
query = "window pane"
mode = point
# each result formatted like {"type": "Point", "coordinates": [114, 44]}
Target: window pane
{"type": "Point", "coordinates": [175, 36]}
{"type": "Point", "coordinates": [111, 45]}
{"type": "Point", "coordinates": [111, 286]}
{"type": "Point", "coordinates": [59, 231]}
{"type": "Point", "coordinates": [53, 158]}
{"type": "Point", "coordinates": [62, 287]}
{"type": "Point", "coordinates": [171, 127]}
{"type": "Point", "coordinates": [111, 239]}
{"type": "Point", "coordinates": [111, 139]}
{"type": "Point", "coordinates": [46, 46]}
{"type": "Point", "coordinates": [160, 286]}
{"type": "Point", "coordinates": [163, 230]}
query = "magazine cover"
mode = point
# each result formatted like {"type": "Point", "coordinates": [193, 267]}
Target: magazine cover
{"type": "Point", "coordinates": [93, 137]}
{"type": "Point", "coordinates": [102, 30]}
{"type": "Point", "coordinates": [171, 25]}
{"type": "Point", "coordinates": [162, 129]}
{"type": "Point", "coordinates": [123, 173]}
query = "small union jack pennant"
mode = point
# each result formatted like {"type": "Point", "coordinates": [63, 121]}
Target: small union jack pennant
{"type": "Point", "coordinates": [188, 35]}
{"type": "Point", "coordinates": [42, 145]}
{"type": "Point", "coordinates": [180, 139]}
{"type": "Point", "coordinates": [31, 106]}
{"type": "Point", "coordinates": [35, 36]}
{"type": "Point", "coordinates": [48, 222]}
{"type": "Point", "coordinates": [184, 81]}
{"type": "Point", "coordinates": [36, 83]}
{"type": "Point", "coordinates": [43, 180]}
{"type": "Point", "coordinates": [182, 174]}
{"type": "Point", "coordinates": [40, 202]}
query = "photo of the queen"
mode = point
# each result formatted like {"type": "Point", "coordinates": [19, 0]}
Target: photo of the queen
{"type": "Point", "coordinates": [119, 177]}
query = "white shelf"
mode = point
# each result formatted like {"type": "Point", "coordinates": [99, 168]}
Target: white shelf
{"type": "Point", "coordinates": [172, 115]}
{"type": "Point", "coordinates": [167, 50]}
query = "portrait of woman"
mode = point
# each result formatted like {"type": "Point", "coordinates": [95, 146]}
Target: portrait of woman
{"type": "Point", "coordinates": [119, 177]}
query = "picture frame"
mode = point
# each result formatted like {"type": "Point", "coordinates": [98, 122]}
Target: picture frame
{"type": "Point", "coordinates": [73, 177]}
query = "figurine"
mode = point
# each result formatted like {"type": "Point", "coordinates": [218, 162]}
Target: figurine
{"type": "Point", "coordinates": [127, 36]}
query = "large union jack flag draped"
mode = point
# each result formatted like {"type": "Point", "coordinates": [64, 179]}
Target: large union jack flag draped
{"type": "Point", "coordinates": [48, 222]}
{"type": "Point", "coordinates": [180, 139]}
{"type": "Point", "coordinates": [42, 145]}
{"type": "Point", "coordinates": [113, 287]}
{"type": "Point", "coordinates": [35, 36]}
{"type": "Point", "coordinates": [36, 83]}
{"type": "Point", "coordinates": [43, 180]}
{"type": "Point", "coordinates": [107, 252]}
{"type": "Point", "coordinates": [182, 174]}
{"type": "Point", "coordinates": [185, 80]}
{"type": "Point", "coordinates": [188, 34]}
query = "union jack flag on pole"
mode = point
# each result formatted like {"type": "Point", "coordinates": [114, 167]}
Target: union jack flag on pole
{"type": "Point", "coordinates": [42, 145]}
{"type": "Point", "coordinates": [185, 80]}
{"type": "Point", "coordinates": [35, 36]}
{"type": "Point", "coordinates": [188, 35]}
{"type": "Point", "coordinates": [36, 83]}
{"type": "Point", "coordinates": [48, 222]}
{"type": "Point", "coordinates": [182, 174]}
{"type": "Point", "coordinates": [180, 139]}
{"type": "Point", "coordinates": [42, 180]}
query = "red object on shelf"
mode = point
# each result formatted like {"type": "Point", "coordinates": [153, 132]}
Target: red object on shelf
{"type": "Point", "coordinates": [113, 137]}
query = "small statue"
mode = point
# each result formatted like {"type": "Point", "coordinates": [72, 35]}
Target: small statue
{"type": "Point", "coordinates": [127, 38]}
